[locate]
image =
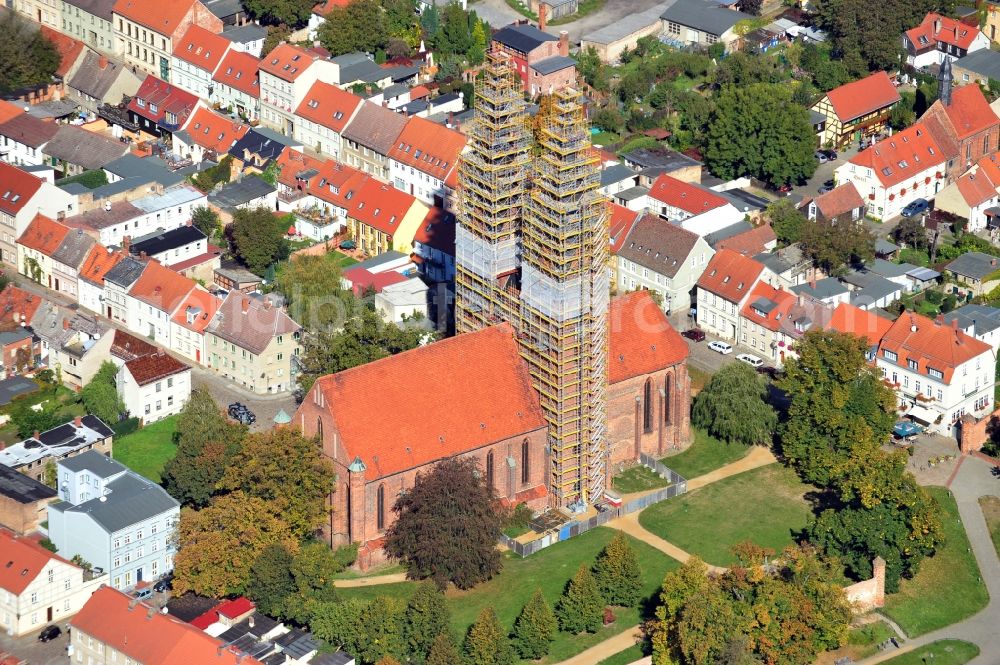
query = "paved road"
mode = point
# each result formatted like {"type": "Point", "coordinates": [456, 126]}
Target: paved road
{"type": "Point", "coordinates": [35, 652]}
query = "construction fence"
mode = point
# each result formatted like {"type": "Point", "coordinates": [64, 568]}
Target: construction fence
{"type": "Point", "coordinates": [677, 486]}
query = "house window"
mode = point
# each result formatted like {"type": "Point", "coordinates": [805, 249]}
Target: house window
{"type": "Point", "coordinates": [889, 355]}
{"type": "Point", "coordinates": [380, 508]}
{"type": "Point", "coordinates": [525, 462]}
{"type": "Point", "coordinates": [34, 597]}
{"type": "Point", "coordinates": [319, 428]}
{"type": "Point", "coordinates": [647, 406]}
{"type": "Point", "coordinates": [666, 399]}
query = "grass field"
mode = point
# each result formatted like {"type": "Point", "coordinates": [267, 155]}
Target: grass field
{"type": "Point", "coordinates": [341, 259]}
{"type": "Point", "coordinates": [942, 652]}
{"type": "Point", "coordinates": [147, 450]}
{"type": "Point", "coordinates": [625, 657]}
{"type": "Point", "coordinates": [947, 588]}
{"type": "Point", "coordinates": [638, 478]}
{"type": "Point", "coordinates": [765, 505]}
{"type": "Point", "coordinates": [991, 511]}
{"type": "Point", "coordinates": [706, 454]}
{"type": "Point", "coordinates": [549, 570]}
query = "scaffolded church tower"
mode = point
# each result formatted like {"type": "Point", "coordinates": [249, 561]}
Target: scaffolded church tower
{"type": "Point", "coordinates": [538, 258]}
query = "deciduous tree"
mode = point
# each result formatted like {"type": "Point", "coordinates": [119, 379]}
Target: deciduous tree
{"type": "Point", "coordinates": [271, 581]}
{"type": "Point", "coordinates": [786, 220]}
{"type": "Point", "coordinates": [487, 643]}
{"type": "Point", "coordinates": [100, 395]}
{"type": "Point", "coordinates": [426, 617]}
{"type": "Point", "coordinates": [451, 540]}
{"type": "Point", "coordinates": [27, 57]}
{"type": "Point", "coordinates": [581, 608]}
{"type": "Point", "coordinates": [206, 219]}
{"type": "Point", "coordinates": [258, 238]}
{"type": "Point", "coordinates": [835, 245]}
{"type": "Point", "coordinates": [534, 628]}
{"type": "Point", "coordinates": [617, 573]}
{"type": "Point", "coordinates": [274, 12]}
{"type": "Point", "coordinates": [733, 406]}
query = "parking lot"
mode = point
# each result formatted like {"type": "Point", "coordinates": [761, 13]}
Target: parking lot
{"type": "Point", "coordinates": [29, 649]}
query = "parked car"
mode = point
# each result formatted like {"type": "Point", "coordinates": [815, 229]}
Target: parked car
{"type": "Point", "coordinates": [721, 347]}
{"type": "Point", "coordinates": [821, 157]}
{"type": "Point", "coordinates": [241, 413]}
{"type": "Point", "coordinates": [694, 334]}
{"type": "Point", "coordinates": [143, 593]}
{"type": "Point", "coordinates": [49, 633]}
{"type": "Point", "coordinates": [786, 188]}
{"type": "Point", "coordinates": [830, 154]}
{"type": "Point", "coordinates": [750, 359]}
{"type": "Point", "coordinates": [165, 583]}
{"type": "Point", "coordinates": [916, 207]}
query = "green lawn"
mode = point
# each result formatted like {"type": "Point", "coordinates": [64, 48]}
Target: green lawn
{"type": "Point", "coordinates": [991, 511]}
{"type": "Point", "coordinates": [706, 454]}
{"type": "Point", "coordinates": [341, 259]}
{"type": "Point", "coordinates": [147, 450]}
{"type": "Point", "coordinates": [605, 139]}
{"type": "Point", "coordinates": [942, 652]}
{"type": "Point", "coordinates": [352, 574]}
{"type": "Point", "coordinates": [630, 655]}
{"type": "Point", "coordinates": [549, 569]}
{"type": "Point", "coordinates": [918, 257]}
{"type": "Point", "coordinates": [765, 505]}
{"type": "Point", "coordinates": [947, 588]}
{"type": "Point", "coordinates": [638, 478]}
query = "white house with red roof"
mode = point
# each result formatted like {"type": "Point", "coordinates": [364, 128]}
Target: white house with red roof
{"type": "Point", "coordinates": [692, 207]}
{"type": "Point", "coordinates": [286, 75]}
{"type": "Point", "coordinates": [897, 170]}
{"type": "Point", "coordinates": [236, 85]}
{"type": "Point", "coordinates": [207, 135]}
{"type": "Point", "coordinates": [425, 154]}
{"type": "Point", "coordinates": [160, 108]}
{"type": "Point", "coordinates": [322, 116]}
{"type": "Point", "coordinates": [939, 372]}
{"type": "Point", "coordinates": [975, 195]}
{"type": "Point", "coordinates": [22, 197]}
{"type": "Point", "coordinates": [772, 320]}
{"type": "Point", "coordinates": [147, 31]}
{"type": "Point", "coordinates": [37, 587]}
{"type": "Point", "coordinates": [856, 110]}
{"type": "Point", "coordinates": [723, 289]}
{"type": "Point", "coordinates": [329, 191]}
{"type": "Point", "coordinates": [939, 37]}
{"type": "Point", "coordinates": [195, 59]}
{"type": "Point", "coordinates": [319, 13]}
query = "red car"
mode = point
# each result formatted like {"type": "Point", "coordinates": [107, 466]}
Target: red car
{"type": "Point", "coordinates": [694, 334]}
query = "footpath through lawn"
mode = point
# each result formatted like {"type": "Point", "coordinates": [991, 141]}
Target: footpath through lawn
{"type": "Point", "coordinates": [705, 454]}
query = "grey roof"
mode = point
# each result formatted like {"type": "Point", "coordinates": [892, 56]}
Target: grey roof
{"type": "Point", "coordinates": [53, 108]}
{"type": "Point", "coordinates": [100, 8]}
{"type": "Point", "coordinates": [889, 269]}
{"type": "Point", "coordinates": [632, 193]}
{"type": "Point", "coordinates": [872, 287]}
{"type": "Point", "coordinates": [223, 8]}
{"type": "Point", "coordinates": [125, 272]}
{"type": "Point", "coordinates": [137, 171]}
{"type": "Point", "coordinates": [985, 62]}
{"type": "Point", "coordinates": [251, 32]}
{"type": "Point", "coordinates": [782, 260]}
{"type": "Point", "coordinates": [358, 67]}
{"type": "Point", "coordinates": [660, 158]}
{"type": "Point", "coordinates": [979, 318]}
{"type": "Point", "coordinates": [553, 64]}
{"type": "Point", "coordinates": [335, 658]}
{"type": "Point", "coordinates": [384, 257]}
{"type": "Point", "coordinates": [375, 127]}
{"type": "Point", "coordinates": [269, 321]}
{"type": "Point", "coordinates": [399, 72]}
{"type": "Point", "coordinates": [883, 246]}
{"type": "Point", "coordinates": [58, 442]}
{"type": "Point", "coordinates": [524, 38]}
{"type": "Point", "coordinates": [73, 249]}
{"type": "Point", "coordinates": [976, 265]}
{"type": "Point", "coordinates": [823, 289]}
{"type": "Point", "coordinates": [616, 173]}
{"type": "Point", "coordinates": [237, 273]}
{"type": "Point", "coordinates": [261, 141]}
{"type": "Point", "coordinates": [95, 462]}
{"type": "Point", "coordinates": [728, 232]}
{"type": "Point", "coordinates": [657, 244]}
{"type": "Point", "coordinates": [743, 200]}
{"type": "Point", "coordinates": [703, 15]}
{"type": "Point", "coordinates": [21, 488]}
{"type": "Point", "coordinates": [765, 305]}
{"type": "Point", "coordinates": [75, 188]}
{"type": "Point", "coordinates": [246, 190]}
{"type": "Point", "coordinates": [626, 25]}
{"type": "Point", "coordinates": [923, 274]}
{"type": "Point", "coordinates": [816, 118]}
{"type": "Point", "coordinates": [163, 241]}
{"type": "Point", "coordinates": [14, 386]}
{"type": "Point", "coordinates": [75, 145]}
{"type": "Point", "coordinates": [130, 499]}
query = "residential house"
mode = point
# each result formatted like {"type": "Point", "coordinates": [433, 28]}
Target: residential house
{"type": "Point", "coordinates": [790, 265]}
{"type": "Point", "coordinates": [540, 59]}
{"type": "Point", "coordinates": [350, 69]}
{"type": "Point", "coordinates": [23, 503]}
{"type": "Point", "coordinates": [45, 12]}
{"type": "Point", "coordinates": [148, 31]}
{"type": "Point", "coordinates": [236, 85]}
{"type": "Point", "coordinates": [723, 289]}
{"type": "Point", "coordinates": [260, 145]}
{"type": "Point", "coordinates": [73, 343]}
{"type": "Point", "coordinates": [979, 321]}
{"type": "Point", "coordinates": [73, 150]}
{"type": "Point", "coordinates": [370, 137]}
{"type": "Point", "coordinates": [296, 171]}
{"type": "Point", "coordinates": [322, 116]}
{"type": "Point", "coordinates": [319, 13]}
{"type": "Point", "coordinates": [894, 272]}
{"type": "Point", "coordinates": [939, 373]}
{"type": "Point", "coordinates": [617, 178]}
{"type": "Point", "coordinates": [908, 165]}
{"type": "Point", "coordinates": [253, 343]}
{"type": "Point", "coordinates": [650, 164]}
{"type": "Point", "coordinates": [701, 23]}
{"type": "Point", "coordinates": [857, 110]}
{"type": "Point", "coordinates": [159, 108]}
{"type": "Point", "coordinates": [841, 204]}
{"type": "Point", "coordinates": [230, 12]}
{"type": "Point", "coordinates": [116, 628]}
{"type": "Point", "coordinates": [117, 281]}
{"type": "Point", "coordinates": [152, 300]}
{"type": "Point", "coordinates": [91, 22]}
{"type": "Point", "coordinates": [187, 326]}
{"type": "Point", "coordinates": [423, 159]}
{"type": "Point", "coordinates": [939, 37]}
{"type": "Point", "coordinates": [196, 57]}
{"type": "Point", "coordinates": [978, 67]}
{"type": "Point", "coordinates": [18, 306]}
{"type": "Point", "coordinates": [969, 121]}
{"type": "Point", "coordinates": [864, 324]}
{"type": "Point", "coordinates": [872, 291]}
{"type": "Point", "coordinates": [101, 80]}
{"type": "Point", "coordinates": [382, 218]}
{"type": "Point", "coordinates": [171, 247]}
{"type": "Point", "coordinates": [752, 242]}
{"type": "Point", "coordinates": [70, 51]}
{"type": "Point", "coordinates": [829, 291]}
{"type": "Point", "coordinates": [975, 195]}
{"type": "Point", "coordinates": [112, 223]}
{"type": "Point", "coordinates": [208, 135]}
{"type": "Point", "coordinates": [434, 246]}
{"type": "Point", "coordinates": [248, 38]}
{"type": "Point", "coordinates": [35, 248]}
{"type": "Point", "coordinates": [36, 455]}
{"type": "Point", "coordinates": [249, 192]}
{"type": "Point", "coordinates": [772, 320]}
{"type": "Point", "coordinates": [39, 587]}
{"type": "Point", "coordinates": [978, 272]}
{"type": "Point", "coordinates": [90, 283]}
{"type": "Point", "coordinates": [286, 75]}
{"type": "Point", "coordinates": [231, 276]}
{"type": "Point", "coordinates": [114, 519]}
{"type": "Point", "coordinates": [693, 207]}
{"type": "Point", "coordinates": [666, 259]}
{"type": "Point", "coordinates": [22, 139]}
{"type": "Point", "coordinates": [154, 386]}
{"type": "Point", "coordinates": [66, 261]}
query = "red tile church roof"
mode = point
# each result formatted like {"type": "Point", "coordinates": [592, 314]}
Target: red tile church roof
{"type": "Point", "coordinates": [641, 338]}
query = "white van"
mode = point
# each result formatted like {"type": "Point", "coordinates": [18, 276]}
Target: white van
{"type": "Point", "coordinates": [751, 360]}
{"type": "Point", "coordinates": [721, 347]}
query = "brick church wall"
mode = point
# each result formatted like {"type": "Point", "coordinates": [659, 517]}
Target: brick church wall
{"type": "Point", "coordinates": [671, 428]}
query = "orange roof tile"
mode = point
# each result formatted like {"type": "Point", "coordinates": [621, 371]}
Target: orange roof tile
{"type": "Point", "coordinates": [201, 305]}
{"type": "Point", "coordinates": [904, 155]}
{"type": "Point", "coordinates": [641, 339]}
{"type": "Point", "coordinates": [18, 304]}
{"type": "Point", "coordinates": [161, 287]}
{"type": "Point", "coordinates": [981, 183]}
{"type": "Point", "coordinates": [751, 242]}
{"type": "Point", "coordinates": [380, 206]}
{"type": "Point", "coordinates": [293, 165]}
{"type": "Point", "coordinates": [691, 198]}
{"type": "Point", "coordinates": [779, 303]}
{"type": "Point", "coordinates": [428, 147]}
{"type": "Point", "coordinates": [98, 262]}
{"type": "Point", "coordinates": [419, 92]}
{"type": "Point", "coordinates": [287, 62]}
{"type": "Point", "coordinates": [931, 344]}
{"type": "Point", "coordinates": [864, 96]}
{"type": "Point", "coordinates": [424, 426]}
{"type": "Point", "coordinates": [329, 106]}
{"type": "Point", "coordinates": [839, 200]}
{"type": "Point", "coordinates": [154, 367]}
{"type": "Point", "coordinates": [144, 634]}
{"type": "Point", "coordinates": [69, 49]}
{"type": "Point", "coordinates": [238, 70]}
{"type": "Point", "coordinates": [162, 17]}
{"type": "Point", "coordinates": [16, 188]}
{"type": "Point", "coordinates": [620, 223]}
{"type": "Point", "coordinates": [165, 98]}
{"type": "Point", "coordinates": [969, 112]}
{"type": "Point", "coordinates": [43, 235]}
{"type": "Point", "coordinates": [21, 560]}
{"type": "Point", "coordinates": [213, 131]}
{"type": "Point", "coordinates": [9, 111]}
{"type": "Point", "coordinates": [730, 275]}
{"type": "Point", "coordinates": [937, 28]}
{"type": "Point", "coordinates": [338, 184]}
{"type": "Point", "coordinates": [859, 322]}
{"type": "Point", "coordinates": [202, 48]}
{"type": "Point", "coordinates": [327, 6]}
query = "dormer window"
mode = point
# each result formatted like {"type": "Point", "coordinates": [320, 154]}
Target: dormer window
{"type": "Point", "coordinates": [890, 355]}
{"type": "Point", "coordinates": [313, 103]}
{"type": "Point", "coordinates": [153, 108]}
{"type": "Point", "coordinates": [338, 115]}
{"type": "Point", "coordinates": [725, 280]}
{"type": "Point", "coordinates": [140, 102]}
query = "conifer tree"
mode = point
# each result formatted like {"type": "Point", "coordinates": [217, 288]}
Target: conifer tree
{"type": "Point", "coordinates": [581, 608]}
{"type": "Point", "coordinates": [534, 628]}
{"type": "Point", "coordinates": [487, 643]}
{"type": "Point", "coordinates": [426, 617]}
{"type": "Point", "coordinates": [443, 651]}
{"type": "Point", "coordinates": [617, 573]}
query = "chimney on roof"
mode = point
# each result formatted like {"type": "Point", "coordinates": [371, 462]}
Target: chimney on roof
{"type": "Point", "coordinates": [939, 319]}
{"type": "Point", "coordinates": [954, 323]}
{"type": "Point", "coordinates": [132, 602]}
{"type": "Point", "coordinates": [37, 434]}
{"type": "Point", "coordinates": [250, 621]}
{"type": "Point", "coordinates": [102, 62]}
{"type": "Point", "coordinates": [316, 43]}
{"type": "Point", "coordinates": [812, 283]}
{"type": "Point", "coordinates": [993, 262]}
{"type": "Point", "coordinates": [142, 255]}
{"type": "Point", "coordinates": [65, 324]}
{"type": "Point", "coordinates": [126, 243]}
{"type": "Point", "coordinates": [78, 421]}
{"type": "Point", "coordinates": [543, 9]}
{"type": "Point", "coordinates": [150, 612]}
{"type": "Point", "coordinates": [245, 305]}
{"type": "Point", "coordinates": [563, 43]}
